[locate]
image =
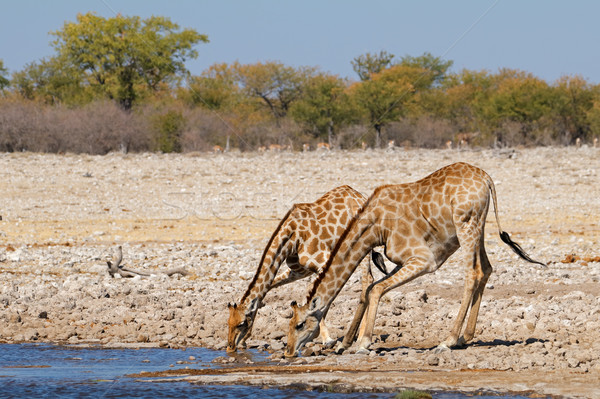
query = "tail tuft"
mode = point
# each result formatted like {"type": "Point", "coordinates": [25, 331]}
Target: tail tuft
{"type": "Point", "coordinates": [377, 259]}
{"type": "Point", "coordinates": [517, 248]}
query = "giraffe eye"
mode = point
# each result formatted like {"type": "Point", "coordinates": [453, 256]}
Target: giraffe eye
{"type": "Point", "coordinates": [300, 326]}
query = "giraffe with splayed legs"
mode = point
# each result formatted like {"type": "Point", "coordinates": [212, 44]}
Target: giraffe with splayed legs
{"type": "Point", "coordinates": [304, 239]}
{"type": "Point", "coordinates": [421, 224]}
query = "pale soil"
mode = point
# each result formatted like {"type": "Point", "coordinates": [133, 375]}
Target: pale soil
{"type": "Point", "coordinates": [64, 215]}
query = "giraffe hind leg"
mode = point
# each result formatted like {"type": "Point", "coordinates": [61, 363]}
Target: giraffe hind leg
{"type": "Point", "coordinates": [470, 236]}
{"type": "Point", "coordinates": [487, 271]}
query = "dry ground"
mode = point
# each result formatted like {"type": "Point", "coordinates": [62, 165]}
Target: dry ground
{"type": "Point", "coordinates": [63, 216]}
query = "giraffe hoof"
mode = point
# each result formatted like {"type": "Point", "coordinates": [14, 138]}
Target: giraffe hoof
{"type": "Point", "coordinates": [339, 349]}
{"type": "Point", "coordinates": [441, 348]}
{"type": "Point", "coordinates": [362, 351]}
{"type": "Point", "coordinates": [329, 343]}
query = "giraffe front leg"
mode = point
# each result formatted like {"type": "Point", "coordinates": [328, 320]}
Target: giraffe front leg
{"type": "Point", "coordinates": [414, 267]}
{"type": "Point", "coordinates": [324, 334]}
{"type": "Point", "coordinates": [366, 331]}
{"type": "Point", "coordinates": [367, 280]}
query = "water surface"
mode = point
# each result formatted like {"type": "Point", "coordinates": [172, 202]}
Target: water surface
{"type": "Point", "coordinates": [50, 371]}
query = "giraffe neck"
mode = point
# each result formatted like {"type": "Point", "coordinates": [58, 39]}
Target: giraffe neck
{"type": "Point", "coordinates": [275, 253]}
{"type": "Point", "coordinates": [353, 246]}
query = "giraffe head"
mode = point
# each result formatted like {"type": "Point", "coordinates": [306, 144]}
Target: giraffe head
{"type": "Point", "coordinates": [240, 323]}
{"type": "Point", "coordinates": [304, 326]}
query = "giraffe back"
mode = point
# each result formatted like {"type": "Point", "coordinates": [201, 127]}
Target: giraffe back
{"type": "Point", "coordinates": [309, 231]}
{"type": "Point", "coordinates": [317, 226]}
{"type": "Point", "coordinates": [430, 209]}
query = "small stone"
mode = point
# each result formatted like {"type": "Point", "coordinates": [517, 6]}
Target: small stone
{"type": "Point", "coordinates": [433, 360]}
{"type": "Point", "coordinates": [142, 338]}
{"type": "Point", "coordinates": [277, 345]}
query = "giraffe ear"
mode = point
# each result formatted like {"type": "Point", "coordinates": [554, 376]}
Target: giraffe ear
{"type": "Point", "coordinates": [315, 303]}
{"type": "Point", "coordinates": [294, 304]}
{"type": "Point", "coordinates": [315, 308]}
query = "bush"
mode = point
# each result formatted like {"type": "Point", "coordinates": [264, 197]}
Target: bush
{"type": "Point", "coordinates": [204, 129]}
{"type": "Point", "coordinates": [96, 128]}
{"type": "Point", "coordinates": [353, 136]}
{"type": "Point", "coordinates": [168, 128]}
{"type": "Point", "coordinates": [424, 131]}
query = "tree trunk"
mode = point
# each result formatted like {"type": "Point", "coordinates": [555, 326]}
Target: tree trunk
{"type": "Point", "coordinates": [330, 134]}
{"type": "Point", "coordinates": [377, 136]}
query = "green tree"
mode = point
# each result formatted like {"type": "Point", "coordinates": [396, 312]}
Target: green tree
{"type": "Point", "coordinates": [123, 56]}
{"type": "Point", "coordinates": [51, 81]}
{"type": "Point", "coordinates": [168, 128]}
{"type": "Point", "coordinates": [4, 82]}
{"type": "Point", "coordinates": [385, 96]}
{"type": "Point", "coordinates": [460, 99]}
{"type": "Point", "coordinates": [277, 86]}
{"type": "Point", "coordinates": [593, 119]}
{"type": "Point", "coordinates": [436, 68]}
{"type": "Point", "coordinates": [216, 88]}
{"type": "Point", "coordinates": [324, 107]}
{"type": "Point", "coordinates": [520, 98]}
{"type": "Point", "coordinates": [368, 64]}
{"type": "Point", "coordinates": [574, 98]}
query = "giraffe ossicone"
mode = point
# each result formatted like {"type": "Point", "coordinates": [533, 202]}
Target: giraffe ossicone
{"type": "Point", "coordinates": [420, 224]}
{"type": "Point", "coordinates": [303, 239]}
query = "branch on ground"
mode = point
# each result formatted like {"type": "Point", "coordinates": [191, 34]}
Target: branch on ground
{"type": "Point", "coordinates": [115, 267]}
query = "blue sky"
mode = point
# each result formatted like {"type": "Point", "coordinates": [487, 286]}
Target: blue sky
{"type": "Point", "coordinates": [547, 38]}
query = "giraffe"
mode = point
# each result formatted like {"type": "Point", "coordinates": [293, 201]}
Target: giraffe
{"type": "Point", "coordinates": [304, 238]}
{"type": "Point", "coordinates": [421, 224]}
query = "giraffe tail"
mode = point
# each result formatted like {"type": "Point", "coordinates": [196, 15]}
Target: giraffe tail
{"type": "Point", "coordinates": [377, 259]}
{"type": "Point", "coordinates": [504, 235]}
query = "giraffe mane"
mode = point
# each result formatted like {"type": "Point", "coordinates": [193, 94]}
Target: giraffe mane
{"type": "Point", "coordinates": [262, 259]}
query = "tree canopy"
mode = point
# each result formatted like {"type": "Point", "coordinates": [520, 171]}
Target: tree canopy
{"type": "Point", "coordinates": [122, 57]}
{"type": "Point", "coordinates": [325, 106]}
{"type": "Point", "coordinates": [368, 64]}
{"type": "Point", "coordinates": [4, 82]}
{"type": "Point", "coordinates": [132, 72]}
{"type": "Point", "coordinates": [435, 67]}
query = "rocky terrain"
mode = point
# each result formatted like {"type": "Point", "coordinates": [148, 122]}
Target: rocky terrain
{"type": "Point", "coordinates": [63, 217]}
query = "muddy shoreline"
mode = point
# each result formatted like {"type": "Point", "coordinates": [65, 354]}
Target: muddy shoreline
{"type": "Point", "coordinates": [64, 215]}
